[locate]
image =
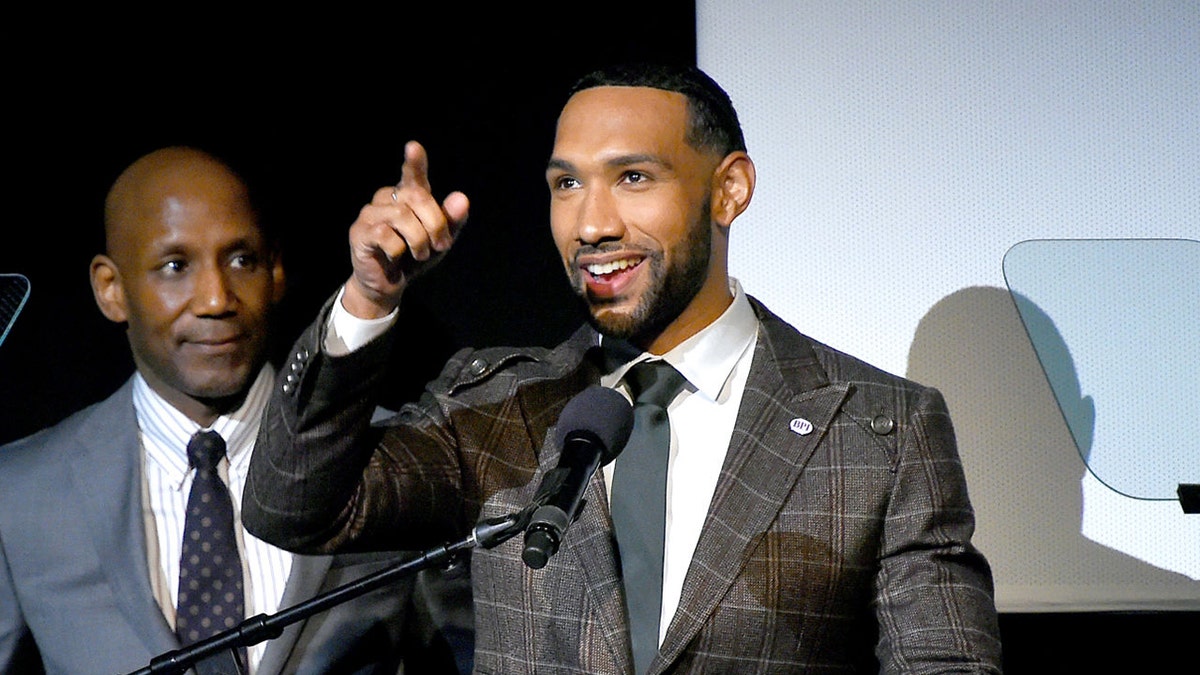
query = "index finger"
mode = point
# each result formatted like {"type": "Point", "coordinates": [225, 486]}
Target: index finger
{"type": "Point", "coordinates": [415, 171]}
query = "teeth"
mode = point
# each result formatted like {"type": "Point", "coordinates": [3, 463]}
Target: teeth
{"type": "Point", "coordinates": [609, 268]}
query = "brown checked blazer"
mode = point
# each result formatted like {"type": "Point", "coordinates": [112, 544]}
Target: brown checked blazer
{"type": "Point", "coordinates": [844, 548]}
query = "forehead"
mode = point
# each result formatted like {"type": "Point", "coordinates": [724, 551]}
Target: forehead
{"type": "Point", "coordinates": [621, 119]}
{"type": "Point", "coordinates": [186, 207]}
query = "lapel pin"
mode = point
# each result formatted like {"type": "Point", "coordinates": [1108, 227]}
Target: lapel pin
{"type": "Point", "coordinates": [801, 426]}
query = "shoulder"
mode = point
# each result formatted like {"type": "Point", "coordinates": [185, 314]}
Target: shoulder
{"type": "Point", "coordinates": [810, 362]}
{"type": "Point", "coordinates": [486, 367]}
{"type": "Point", "coordinates": [784, 342]}
{"type": "Point", "coordinates": [101, 420]}
{"type": "Point", "coordinates": [516, 385]}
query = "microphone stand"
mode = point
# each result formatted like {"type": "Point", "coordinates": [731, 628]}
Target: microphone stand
{"type": "Point", "coordinates": [486, 534]}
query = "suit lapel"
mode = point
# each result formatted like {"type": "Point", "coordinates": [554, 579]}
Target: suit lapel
{"type": "Point", "coordinates": [593, 551]}
{"type": "Point", "coordinates": [304, 581]}
{"type": "Point", "coordinates": [589, 548]}
{"type": "Point", "coordinates": [107, 478]}
{"type": "Point", "coordinates": [785, 411]}
{"type": "Point", "coordinates": [106, 472]}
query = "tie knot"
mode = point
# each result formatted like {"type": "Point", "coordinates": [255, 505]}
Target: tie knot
{"type": "Point", "coordinates": [206, 449]}
{"type": "Point", "coordinates": [654, 383]}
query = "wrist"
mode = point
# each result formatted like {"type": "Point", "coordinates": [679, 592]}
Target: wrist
{"type": "Point", "coordinates": [362, 304]}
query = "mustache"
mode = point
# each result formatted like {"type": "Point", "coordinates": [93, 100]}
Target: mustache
{"type": "Point", "coordinates": [612, 247]}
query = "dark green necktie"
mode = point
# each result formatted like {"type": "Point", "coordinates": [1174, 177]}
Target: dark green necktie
{"type": "Point", "coordinates": [639, 502]}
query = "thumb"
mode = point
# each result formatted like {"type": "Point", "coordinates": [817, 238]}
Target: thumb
{"type": "Point", "coordinates": [456, 205]}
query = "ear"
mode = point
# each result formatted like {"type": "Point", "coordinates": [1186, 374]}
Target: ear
{"type": "Point", "coordinates": [278, 279]}
{"type": "Point", "coordinates": [107, 289]}
{"type": "Point", "coordinates": [733, 186]}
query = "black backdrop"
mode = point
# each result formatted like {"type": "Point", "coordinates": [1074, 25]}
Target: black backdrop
{"type": "Point", "coordinates": [315, 109]}
{"type": "Point", "coordinates": [315, 112]}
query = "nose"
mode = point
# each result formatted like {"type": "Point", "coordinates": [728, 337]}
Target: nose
{"type": "Point", "coordinates": [212, 293]}
{"type": "Point", "coordinates": [599, 219]}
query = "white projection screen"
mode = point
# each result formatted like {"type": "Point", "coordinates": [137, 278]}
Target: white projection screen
{"type": "Point", "coordinates": [1002, 200]}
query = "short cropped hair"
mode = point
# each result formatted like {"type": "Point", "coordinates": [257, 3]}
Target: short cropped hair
{"type": "Point", "coordinates": [713, 120]}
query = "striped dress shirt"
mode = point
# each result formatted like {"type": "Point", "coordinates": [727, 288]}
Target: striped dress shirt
{"type": "Point", "coordinates": [164, 433]}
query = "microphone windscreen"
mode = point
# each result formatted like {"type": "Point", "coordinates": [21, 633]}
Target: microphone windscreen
{"type": "Point", "coordinates": [600, 412]}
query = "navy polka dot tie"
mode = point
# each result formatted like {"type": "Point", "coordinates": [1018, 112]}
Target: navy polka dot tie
{"type": "Point", "coordinates": [211, 598]}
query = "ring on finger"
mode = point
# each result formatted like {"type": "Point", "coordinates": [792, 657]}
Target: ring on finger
{"type": "Point", "coordinates": [395, 197]}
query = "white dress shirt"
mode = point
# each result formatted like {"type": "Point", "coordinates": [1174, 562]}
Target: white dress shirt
{"type": "Point", "coordinates": [716, 362]}
{"type": "Point", "coordinates": [164, 433]}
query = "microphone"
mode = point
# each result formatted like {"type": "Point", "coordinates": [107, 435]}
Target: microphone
{"type": "Point", "coordinates": [592, 430]}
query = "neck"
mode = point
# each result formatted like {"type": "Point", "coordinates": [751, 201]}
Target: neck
{"type": "Point", "coordinates": [705, 308]}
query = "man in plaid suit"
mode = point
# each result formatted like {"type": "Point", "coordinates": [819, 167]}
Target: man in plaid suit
{"type": "Point", "coordinates": [817, 514]}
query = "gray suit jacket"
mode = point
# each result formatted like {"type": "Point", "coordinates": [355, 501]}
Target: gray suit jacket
{"type": "Point", "coordinates": [838, 538]}
{"type": "Point", "coordinates": [74, 588]}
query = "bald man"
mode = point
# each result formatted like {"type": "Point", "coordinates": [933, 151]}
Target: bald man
{"type": "Point", "coordinates": [92, 509]}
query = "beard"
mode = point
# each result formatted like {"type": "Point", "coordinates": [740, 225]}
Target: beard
{"type": "Point", "coordinates": [670, 289]}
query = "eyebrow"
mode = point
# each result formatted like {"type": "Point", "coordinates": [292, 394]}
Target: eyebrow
{"type": "Point", "coordinates": [618, 161]}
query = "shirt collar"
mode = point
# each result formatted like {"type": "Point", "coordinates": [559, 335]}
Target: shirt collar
{"type": "Point", "coordinates": [170, 430]}
{"type": "Point", "coordinates": [706, 359]}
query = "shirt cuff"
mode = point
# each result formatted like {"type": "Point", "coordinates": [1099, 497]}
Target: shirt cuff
{"type": "Point", "coordinates": [345, 332]}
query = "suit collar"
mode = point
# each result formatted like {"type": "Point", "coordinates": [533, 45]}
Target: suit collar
{"type": "Point", "coordinates": [589, 550]}
{"type": "Point", "coordinates": [106, 474]}
{"type": "Point", "coordinates": [792, 353]}
{"type": "Point", "coordinates": [788, 405]}
{"type": "Point", "coordinates": [304, 581]}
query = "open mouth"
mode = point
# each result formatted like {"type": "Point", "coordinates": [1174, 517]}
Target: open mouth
{"type": "Point", "coordinates": [608, 279]}
{"type": "Point", "coordinates": [608, 268]}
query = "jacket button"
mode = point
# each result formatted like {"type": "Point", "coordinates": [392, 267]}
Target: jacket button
{"type": "Point", "coordinates": [478, 366]}
{"type": "Point", "coordinates": [882, 425]}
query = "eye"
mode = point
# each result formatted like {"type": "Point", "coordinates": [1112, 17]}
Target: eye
{"type": "Point", "coordinates": [564, 183]}
{"type": "Point", "coordinates": [246, 261]}
{"type": "Point", "coordinates": [635, 177]}
{"type": "Point", "coordinates": [174, 266]}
